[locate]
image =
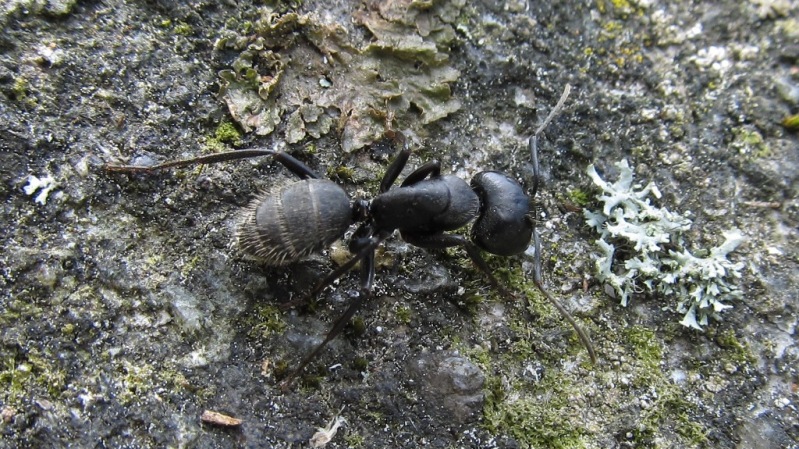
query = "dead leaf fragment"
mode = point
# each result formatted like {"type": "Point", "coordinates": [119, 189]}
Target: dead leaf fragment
{"type": "Point", "coordinates": [7, 414]}
{"type": "Point", "coordinates": [219, 419]}
{"type": "Point", "coordinates": [324, 435]}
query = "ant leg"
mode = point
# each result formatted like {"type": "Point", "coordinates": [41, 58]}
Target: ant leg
{"type": "Point", "coordinates": [365, 243]}
{"type": "Point", "coordinates": [431, 168]}
{"type": "Point", "coordinates": [448, 240]}
{"type": "Point", "coordinates": [288, 161]}
{"type": "Point", "coordinates": [537, 278]}
{"type": "Point", "coordinates": [441, 241]}
{"type": "Point", "coordinates": [206, 159]}
{"type": "Point", "coordinates": [393, 171]}
{"type": "Point", "coordinates": [295, 166]}
{"type": "Point", "coordinates": [539, 282]}
{"type": "Point", "coordinates": [366, 246]}
{"type": "Point", "coordinates": [338, 326]}
{"type": "Point", "coordinates": [367, 258]}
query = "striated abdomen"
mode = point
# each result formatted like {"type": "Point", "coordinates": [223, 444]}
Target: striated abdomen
{"type": "Point", "coordinates": [284, 225]}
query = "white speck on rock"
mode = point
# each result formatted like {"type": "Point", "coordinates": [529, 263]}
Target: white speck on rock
{"type": "Point", "coordinates": [43, 185]}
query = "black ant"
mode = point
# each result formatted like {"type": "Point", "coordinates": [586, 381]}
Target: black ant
{"type": "Point", "coordinates": [284, 225]}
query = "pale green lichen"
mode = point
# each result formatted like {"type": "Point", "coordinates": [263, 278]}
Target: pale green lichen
{"type": "Point", "coordinates": [312, 77]}
{"type": "Point", "coordinates": [658, 258]}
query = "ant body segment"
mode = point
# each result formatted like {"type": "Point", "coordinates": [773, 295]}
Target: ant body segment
{"type": "Point", "coordinates": [284, 225]}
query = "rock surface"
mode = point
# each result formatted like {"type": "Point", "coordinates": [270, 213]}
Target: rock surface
{"type": "Point", "coordinates": [125, 312]}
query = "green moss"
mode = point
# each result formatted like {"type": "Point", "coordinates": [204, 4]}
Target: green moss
{"type": "Point", "coordinates": [619, 43]}
{"type": "Point", "coordinates": [532, 422]}
{"type": "Point", "coordinates": [176, 381]}
{"type": "Point", "coordinates": [640, 152]}
{"type": "Point", "coordinates": [20, 308]}
{"type": "Point", "coordinates": [281, 369]}
{"type": "Point", "coordinates": [25, 375]}
{"type": "Point", "coordinates": [20, 88]}
{"type": "Point", "coordinates": [648, 354]}
{"type": "Point", "coordinates": [750, 143]}
{"type": "Point", "coordinates": [538, 414]}
{"type": "Point", "coordinates": [183, 29]}
{"type": "Point", "coordinates": [517, 280]}
{"type": "Point", "coordinates": [471, 302]}
{"type": "Point", "coordinates": [264, 320]}
{"type": "Point", "coordinates": [354, 440]}
{"type": "Point", "coordinates": [611, 30]}
{"type": "Point", "coordinates": [739, 353]}
{"type": "Point", "coordinates": [341, 173]}
{"type": "Point", "coordinates": [478, 354]}
{"type": "Point", "coordinates": [227, 132]}
{"type": "Point", "coordinates": [671, 409]}
{"type": "Point", "coordinates": [403, 314]}
{"type": "Point", "coordinates": [134, 381]}
{"type": "Point", "coordinates": [311, 381]}
{"type": "Point", "coordinates": [619, 8]}
{"type": "Point", "coordinates": [190, 265]}
{"type": "Point", "coordinates": [789, 26]}
{"type": "Point", "coordinates": [692, 431]}
{"type": "Point", "coordinates": [357, 327]}
{"type": "Point", "coordinates": [677, 131]}
{"type": "Point", "coordinates": [68, 329]}
{"type": "Point", "coordinates": [791, 123]}
{"type": "Point", "coordinates": [374, 415]}
{"type": "Point", "coordinates": [643, 341]}
{"type": "Point", "coordinates": [668, 405]}
{"type": "Point", "coordinates": [579, 197]}
{"type": "Point", "coordinates": [549, 412]}
{"type": "Point", "coordinates": [360, 364]}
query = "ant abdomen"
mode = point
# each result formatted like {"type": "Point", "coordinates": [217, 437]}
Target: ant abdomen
{"type": "Point", "coordinates": [293, 221]}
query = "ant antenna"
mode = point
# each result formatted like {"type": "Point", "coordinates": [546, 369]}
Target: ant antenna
{"type": "Point", "coordinates": [555, 110]}
{"type": "Point", "coordinates": [537, 277]}
{"type": "Point", "coordinates": [534, 139]}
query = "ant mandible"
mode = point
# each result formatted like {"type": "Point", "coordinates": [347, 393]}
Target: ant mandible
{"type": "Point", "coordinates": [285, 225]}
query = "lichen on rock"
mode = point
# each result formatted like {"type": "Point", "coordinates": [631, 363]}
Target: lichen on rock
{"type": "Point", "coordinates": [657, 256]}
{"type": "Point", "coordinates": [312, 78]}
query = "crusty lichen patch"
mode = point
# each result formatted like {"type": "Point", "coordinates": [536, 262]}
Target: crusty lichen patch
{"type": "Point", "coordinates": [313, 78]}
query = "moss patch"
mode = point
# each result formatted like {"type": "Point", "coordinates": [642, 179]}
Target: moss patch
{"type": "Point", "coordinates": [24, 374]}
{"type": "Point", "coordinates": [544, 417]}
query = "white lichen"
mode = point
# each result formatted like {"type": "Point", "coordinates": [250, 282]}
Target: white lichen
{"type": "Point", "coordinates": [43, 185]}
{"type": "Point", "coordinates": [656, 258]}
